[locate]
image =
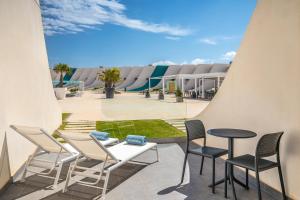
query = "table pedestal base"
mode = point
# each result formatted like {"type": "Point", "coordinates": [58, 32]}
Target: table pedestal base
{"type": "Point", "coordinates": [228, 179]}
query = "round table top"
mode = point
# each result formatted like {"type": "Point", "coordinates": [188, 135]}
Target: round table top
{"type": "Point", "coordinates": [231, 133]}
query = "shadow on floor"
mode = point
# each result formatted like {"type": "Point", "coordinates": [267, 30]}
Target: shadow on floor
{"type": "Point", "coordinates": [37, 183]}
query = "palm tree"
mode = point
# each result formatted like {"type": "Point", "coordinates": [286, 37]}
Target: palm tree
{"type": "Point", "coordinates": [62, 69]}
{"type": "Point", "coordinates": [110, 77]}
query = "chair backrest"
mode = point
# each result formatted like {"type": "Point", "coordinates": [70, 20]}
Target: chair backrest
{"type": "Point", "coordinates": [268, 145]}
{"type": "Point", "coordinates": [195, 129]}
{"type": "Point", "coordinates": [40, 138]}
{"type": "Point", "coordinates": [87, 145]}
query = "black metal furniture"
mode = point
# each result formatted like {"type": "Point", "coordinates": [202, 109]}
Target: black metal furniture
{"type": "Point", "coordinates": [268, 145]}
{"type": "Point", "coordinates": [195, 130]}
{"type": "Point", "coordinates": [231, 134]}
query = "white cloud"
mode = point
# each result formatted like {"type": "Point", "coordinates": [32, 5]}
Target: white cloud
{"type": "Point", "coordinates": [228, 56]}
{"type": "Point", "coordinates": [198, 61]}
{"type": "Point", "coordinates": [216, 39]}
{"type": "Point", "coordinates": [225, 58]}
{"type": "Point", "coordinates": [164, 62]}
{"type": "Point", "coordinates": [172, 38]}
{"type": "Point", "coordinates": [69, 16]}
{"type": "Point", "coordinates": [195, 61]}
{"type": "Point", "coordinates": [209, 41]}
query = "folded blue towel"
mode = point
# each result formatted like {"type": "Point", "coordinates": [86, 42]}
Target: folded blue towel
{"type": "Point", "coordinates": [136, 139]}
{"type": "Point", "coordinates": [100, 135]}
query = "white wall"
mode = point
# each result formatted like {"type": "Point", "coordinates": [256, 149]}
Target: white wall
{"type": "Point", "coordinates": [26, 96]}
{"type": "Point", "coordinates": [262, 89]}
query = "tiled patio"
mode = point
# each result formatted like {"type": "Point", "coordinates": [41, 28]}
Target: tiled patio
{"type": "Point", "coordinates": [158, 181]}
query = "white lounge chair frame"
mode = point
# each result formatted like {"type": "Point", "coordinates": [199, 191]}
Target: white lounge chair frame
{"type": "Point", "coordinates": [34, 134]}
{"type": "Point", "coordinates": [57, 148]}
{"type": "Point", "coordinates": [110, 162]}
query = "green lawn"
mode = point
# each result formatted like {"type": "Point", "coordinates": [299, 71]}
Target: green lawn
{"type": "Point", "coordinates": [150, 128]}
{"type": "Point", "coordinates": [64, 118]}
{"type": "Point", "coordinates": [62, 126]}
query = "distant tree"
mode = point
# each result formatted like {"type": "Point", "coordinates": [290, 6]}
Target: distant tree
{"type": "Point", "coordinates": [62, 69]}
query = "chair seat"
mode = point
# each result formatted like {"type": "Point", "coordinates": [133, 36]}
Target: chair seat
{"type": "Point", "coordinates": [248, 161]}
{"type": "Point", "coordinates": [208, 151]}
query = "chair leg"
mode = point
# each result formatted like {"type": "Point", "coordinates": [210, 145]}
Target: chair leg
{"type": "Point", "coordinates": [213, 174]}
{"type": "Point", "coordinates": [247, 179]}
{"type": "Point", "coordinates": [281, 182]}
{"type": "Point", "coordinates": [232, 183]}
{"type": "Point", "coordinates": [258, 185]}
{"type": "Point", "coordinates": [184, 165]}
{"type": "Point", "coordinates": [201, 168]}
{"type": "Point", "coordinates": [225, 188]}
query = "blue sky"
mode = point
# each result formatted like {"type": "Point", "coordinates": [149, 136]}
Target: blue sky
{"type": "Point", "coordinates": [90, 33]}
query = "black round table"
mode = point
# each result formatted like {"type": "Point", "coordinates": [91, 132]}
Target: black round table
{"type": "Point", "coordinates": [231, 134]}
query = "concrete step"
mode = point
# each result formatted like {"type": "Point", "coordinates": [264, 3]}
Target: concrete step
{"type": "Point", "coordinates": [81, 125]}
{"type": "Point", "coordinates": [80, 128]}
{"type": "Point", "coordinates": [81, 121]}
{"type": "Point", "coordinates": [177, 123]}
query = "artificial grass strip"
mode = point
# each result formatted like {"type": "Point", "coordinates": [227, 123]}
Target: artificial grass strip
{"type": "Point", "coordinates": [154, 128]}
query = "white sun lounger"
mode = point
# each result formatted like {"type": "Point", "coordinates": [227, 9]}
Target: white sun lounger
{"type": "Point", "coordinates": [112, 157]}
{"type": "Point", "coordinates": [46, 144]}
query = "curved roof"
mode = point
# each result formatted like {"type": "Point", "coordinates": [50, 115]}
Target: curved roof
{"type": "Point", "coordinates": [124, 73]}
{"type": "Point", "coordinates": [172, 70]}
{"type": "Point", "coordinates": [142, 78]}
{"type": "Point", "coordinates": [77, 74]}
{"type": "Point", "coordinates": [131, 78]}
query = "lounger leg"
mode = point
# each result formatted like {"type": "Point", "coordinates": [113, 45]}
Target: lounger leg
{"type": "Point", "coordinates": [71, 168]}
{"type": "Point", "coordinates": [25, 170]}
{"type": "Point", "coordinates": [67, 179]}
{"type": "Point", "coordinates": [184, 165]}
{"type": "Point", "coordinates": [157, 156]}
{"type": "Point", "coordinates": [105, 185]}
{"type": "Point", "coordinates": [57, 175]}
{"type": "Point", "coordinates": [201, 168]}
{"type": "Point", "coordinates": [27, 164]}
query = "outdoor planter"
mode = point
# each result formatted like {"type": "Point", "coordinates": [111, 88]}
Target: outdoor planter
{"type": "Point", "coordinates": [109, 92]}
{"type": "Point", "coordinates": [179, 99]}
{"type": "Point", "coordinates": [147, 94]}
{"type": "Point", "coordinates": [161, 96]}
{"type": "Point", "coordinates": [179, 96]}
{"type": "Point", "coordinates": [60, 93]}
{"type": "Point", "coordinates": [110, 77]}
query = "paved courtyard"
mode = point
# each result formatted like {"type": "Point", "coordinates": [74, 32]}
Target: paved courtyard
{"type": "Point", "coordinates": [128, 106]}
{"type": "Point", "coordinates": [154, 181]}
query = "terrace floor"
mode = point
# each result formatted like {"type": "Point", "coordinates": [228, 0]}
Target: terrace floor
{"type": "Point", "coordinates": [128, 106]}
{"type": "Point", "coordinates": [157, 181]}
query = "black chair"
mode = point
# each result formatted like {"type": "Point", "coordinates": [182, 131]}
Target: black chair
{"type": "Point", "coordinates": [268, 145]}
{"type": "Point", "coordinates": [195, 130]}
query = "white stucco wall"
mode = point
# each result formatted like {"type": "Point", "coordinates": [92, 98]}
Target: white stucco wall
{"type": "Point", "coordinates": [262, 89]}
{"type": "Point", "coordinates": [26, 94]}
